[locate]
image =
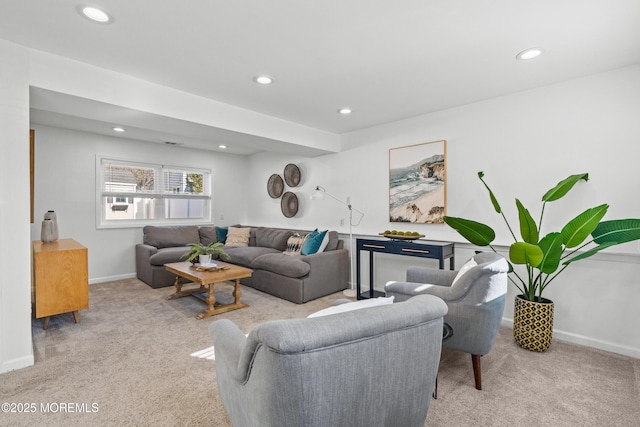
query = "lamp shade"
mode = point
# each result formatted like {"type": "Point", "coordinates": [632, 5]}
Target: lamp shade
{"type": "Point", "coordinates": [318, 194]}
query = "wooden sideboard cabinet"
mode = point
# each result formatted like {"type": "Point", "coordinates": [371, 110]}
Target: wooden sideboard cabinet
{"type": "Point", "coordinates": [61, 278]}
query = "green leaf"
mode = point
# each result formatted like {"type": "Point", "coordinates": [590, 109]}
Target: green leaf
{"type": "Point", "coordinates": [551, 246]}
{"type": "Point", "coordinates": [475, 232]}
{"type": "Point", "coordinates": [525, 253]}
{"type": "Point", "coordinates": [590, 252]}
{"type": "Point", "coordinates": [563, 187]}
{"type": "Point", "coordinates": [494, 201]}
{"type": "Point", "coordinates": [581, 226]}
{"type": "Point", "coordinates": [528, 227]}
{"type": "Point", "coordinates": [618, 231]}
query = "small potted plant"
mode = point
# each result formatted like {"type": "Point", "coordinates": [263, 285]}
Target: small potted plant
{"type": "Point", "coordinates": [546, 256]}
{"type": "Point", "coordinates": [203, 253]}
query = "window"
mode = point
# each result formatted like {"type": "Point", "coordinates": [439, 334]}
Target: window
{"type": "Point", "coordinates": [130, 193]}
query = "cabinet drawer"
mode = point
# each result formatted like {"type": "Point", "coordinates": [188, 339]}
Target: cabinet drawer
{"type": "Point", "coordinates": [378, 246]}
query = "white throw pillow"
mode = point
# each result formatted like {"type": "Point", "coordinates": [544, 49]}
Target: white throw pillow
{"type": "Point", "coordinates": [325, 242]}
{"type": "Point", "coordinates": [466, 267]}
{"type": "Point", "coordinates": [237, 237]}
{"type": "Point", "coordinates": [356, 305]}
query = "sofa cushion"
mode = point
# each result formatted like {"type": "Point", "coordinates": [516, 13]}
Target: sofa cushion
{"type": "Point", "coordinates": [237, 237]}
{"type": "Point", "coordinates": [272, 238]}
{"type": "Point", "coordinates": [355, 305]}
{"type": "Point", "coordinates": [279, 263]}
{"type": "Point", "coordinates": [208, 235]}
{"type": "Point", "coordinates": [221, 234]}
{"type": "Point", "coordinates": [170, 236]}
{"type": "Point", "coordinates": [294, 244]}
{"type": "Point", "coordinates": [315, 242]}
{"type": "Point", "coordinates": [167, 255]}
{"type": "Point", "coordinates": [333, 242]}
{"type": "Point", "coordinates": [245, 256]}
{"type": "Point", "coordinates": [252, 236]}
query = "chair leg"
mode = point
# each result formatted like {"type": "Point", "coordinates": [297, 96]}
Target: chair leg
{"type": "Point", "coordinates": [477, 372]}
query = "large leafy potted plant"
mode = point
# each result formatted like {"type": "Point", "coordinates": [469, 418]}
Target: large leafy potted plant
{"type": "Point", "coordinates": [196, 250]}
{"type": "Point", "coordinates": [544, 258]}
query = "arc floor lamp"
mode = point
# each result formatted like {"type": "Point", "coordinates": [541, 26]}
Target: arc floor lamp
{"type": "Point", "coordinates": [319, 194]}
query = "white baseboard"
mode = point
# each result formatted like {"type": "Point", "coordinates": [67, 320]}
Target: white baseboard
{"type": "Point", "coordinates": [587, 341]}
{"type": "Point", "coordinates": [19, 363]}
{"type": "Point", "coordinates": [111, 278]}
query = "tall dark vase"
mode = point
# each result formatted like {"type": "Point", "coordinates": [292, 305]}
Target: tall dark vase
{"type": "Point", "coordinates": [533, 323]}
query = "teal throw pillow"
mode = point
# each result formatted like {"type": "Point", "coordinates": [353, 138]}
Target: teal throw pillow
{"type": "Point", "coordinates": [313, 242]}
{"type": "Point", "coordinates": [221, 234]}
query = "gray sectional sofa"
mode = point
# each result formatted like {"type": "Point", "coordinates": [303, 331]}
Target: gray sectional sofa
{"type": "Point", "coordinates": [296, 278]}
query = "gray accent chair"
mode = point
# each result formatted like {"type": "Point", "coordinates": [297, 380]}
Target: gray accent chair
{"type": "Point", "coordinates": [475, 301]}
{"type": "Point", "coordinates": [374, 366]}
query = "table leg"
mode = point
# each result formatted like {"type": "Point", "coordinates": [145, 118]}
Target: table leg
{"type": "Point", "coordinates": [76, 317]}
{"type": "Point", "coordinates": [371, 279]}
{"type": "Point", "coordinates": [179, 293]}
{"type": "Point", "coordinates": [45, 325]}
{"type": "Point", "coordinates": [211, 302]}
{"type": "Point", "coordinates": [237, 293]}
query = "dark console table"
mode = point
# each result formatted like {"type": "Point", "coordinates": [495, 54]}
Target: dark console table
{"type": "Point", "coordinates": [419, 248]}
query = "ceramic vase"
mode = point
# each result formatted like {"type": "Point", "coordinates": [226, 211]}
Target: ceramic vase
{"type": "Point", "coordinates": [51, 215]}
{"type": "Point", "coordinates": [47, 232]}
{"type": "Point", "coordinates": [204, 259]}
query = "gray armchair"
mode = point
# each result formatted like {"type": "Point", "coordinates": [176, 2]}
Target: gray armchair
{"type": "Point", "coordinates": [475, 301]}
{"type": "Point", "coordinates": [374, 366]}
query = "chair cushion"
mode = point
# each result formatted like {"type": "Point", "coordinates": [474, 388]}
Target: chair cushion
{"type": "Point", "coordinates": [466, 267]}
{"type": "Point", "coordinates": [356, 305]}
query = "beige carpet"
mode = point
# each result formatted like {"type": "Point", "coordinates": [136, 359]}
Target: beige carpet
{"type": "Point", "coordinates": [128, 362]}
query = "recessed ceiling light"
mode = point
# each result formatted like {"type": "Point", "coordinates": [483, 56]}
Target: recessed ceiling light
{"type": "Point", "coordinates": [95, 14]}
{"type": "Point", "coordinates": [531, 53]}
{"type": "Point", "coordinates": [344, 111]}
{"type": "Point", "coordinates": [117, 129]}
{"type": "Point", "coordinates": [263, 80]}
{"type": "Point", "coordinates": [222, 146]}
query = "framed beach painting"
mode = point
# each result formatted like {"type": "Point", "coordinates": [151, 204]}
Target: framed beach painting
{"type": "Point", "coordinates": [417, 183]}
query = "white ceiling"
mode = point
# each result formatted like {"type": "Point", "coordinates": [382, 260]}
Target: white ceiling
{"type": "Point", "coordinates": [387, 60]}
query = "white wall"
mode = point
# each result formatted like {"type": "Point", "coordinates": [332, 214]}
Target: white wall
{"type": "Point", "coordinates": [65, 182]}
{"type": "Point", "coordinates": [15, 298]}
{"type": "Point", "coordinates": [525, 143]}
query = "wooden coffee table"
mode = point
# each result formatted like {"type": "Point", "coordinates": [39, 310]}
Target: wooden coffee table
{"type": "Point", "coordinates": [207, 281]}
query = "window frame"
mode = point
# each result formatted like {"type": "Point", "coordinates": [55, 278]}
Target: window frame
{"type": "Point", "coordinates": [158, 194]}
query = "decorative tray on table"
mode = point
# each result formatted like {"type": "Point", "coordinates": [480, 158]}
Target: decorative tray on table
{"type": "Point", "coordinates": [408, 235]}
{"type": "Point", "coordinates": [210, 267]}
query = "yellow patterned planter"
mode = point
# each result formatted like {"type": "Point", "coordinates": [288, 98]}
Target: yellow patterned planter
{"type": "Point", "coordinates": [533, 323]}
